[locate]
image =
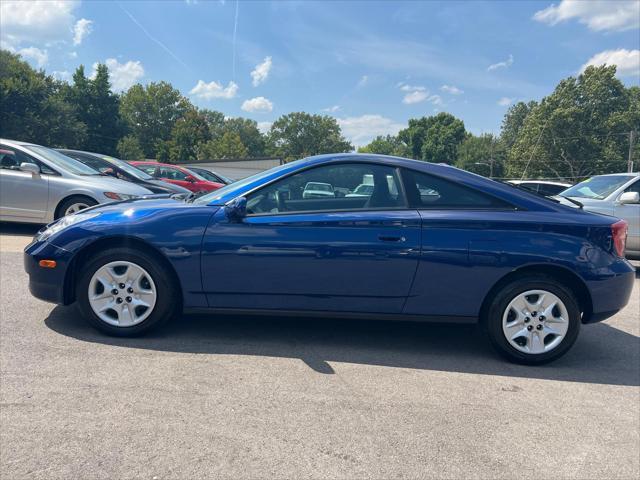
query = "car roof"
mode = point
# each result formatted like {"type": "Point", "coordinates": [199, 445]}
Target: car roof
{"type": "Point", "coordinates": [541, 182]}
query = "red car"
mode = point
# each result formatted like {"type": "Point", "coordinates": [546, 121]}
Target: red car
{"type": "Point", "coordinates": [178, 176]}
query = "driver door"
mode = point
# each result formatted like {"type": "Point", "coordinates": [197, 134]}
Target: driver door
{"type": "Point", "coordinates": [23, 195]}
{"type": "Point", "coordinates": [305, 253]}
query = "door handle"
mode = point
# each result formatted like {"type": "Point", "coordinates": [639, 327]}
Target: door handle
{"type": "Point", "coordinates": [391, 238]}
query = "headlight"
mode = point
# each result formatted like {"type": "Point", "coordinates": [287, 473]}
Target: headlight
{"type": "Point", "coordinates": [119, 196]}
{"type": "Point", "coordinates": [65, 222]}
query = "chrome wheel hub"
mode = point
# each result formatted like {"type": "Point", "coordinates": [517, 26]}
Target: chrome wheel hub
{"type": "Point", "coordinates": [535, 322]}
{"type": "Point", "coordinates": [75, 208]}
{"type": "Point", "coordinates": [122, 294]}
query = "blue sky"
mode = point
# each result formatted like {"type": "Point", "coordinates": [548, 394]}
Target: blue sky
{"type": "Point", "coordinates": [372, 65]}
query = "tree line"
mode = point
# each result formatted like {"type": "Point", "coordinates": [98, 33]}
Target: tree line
{"type": "Point", "coordinates": [579, 130]}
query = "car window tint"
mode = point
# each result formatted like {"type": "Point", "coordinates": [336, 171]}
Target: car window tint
{"type": "Point", "coordinates": [172, 173]}
{"type": "Point", "coordinates": [427, 191]}
{"type": "Point", "coordinates": [9, 159]}
{"type": "Point", "coordinates": [340, 187]}
{"type": "Point", "coordinates": [550, 190]}
{"type": "Point", "coordinates": [148, 169]}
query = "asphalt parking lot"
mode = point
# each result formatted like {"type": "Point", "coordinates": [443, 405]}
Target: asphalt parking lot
{"type": "Point", "coordinates": [242, 397]}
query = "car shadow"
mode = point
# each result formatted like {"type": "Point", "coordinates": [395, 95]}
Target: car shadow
{"type": "Point", "coordinates": [19, 229]}
{"type": "Point", "coordinates": [602, 354]}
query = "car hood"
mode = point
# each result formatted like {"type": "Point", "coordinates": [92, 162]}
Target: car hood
{"type": "Point", "coordinates": [110, 184]}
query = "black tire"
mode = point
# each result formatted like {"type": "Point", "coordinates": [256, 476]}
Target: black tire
{"type": "Point", "coordinates": [500, 302]}
{"type": "Point", "coordinates": [166, 305]}
{"type": "Point", "coordinates": [88, 201]}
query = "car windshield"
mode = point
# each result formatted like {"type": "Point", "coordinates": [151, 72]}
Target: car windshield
{"type": "Point", "coordinates": [597, 187]}
{"type": "Point", "coordinates": [130, 169]}
{"type": "Point", "coordinates": [62, 161]}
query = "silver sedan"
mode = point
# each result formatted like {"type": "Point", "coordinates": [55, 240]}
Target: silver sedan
{"type": "Point", "coordinates": [39, 185]}
{"type": "Point", "coordinates": [617, 195]}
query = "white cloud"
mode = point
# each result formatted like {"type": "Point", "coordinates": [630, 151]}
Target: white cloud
{"type": "Point", "coordinates": [451, 89]}
{"type": "Point", "coordinates": [598, 15]}
{"type": "Point", "coordinates": [626, 61]}
{"type": "Point", "coordinates": [435, 99]}
{"type": "Point", "coordinates": [506, 64]}
{"type": "Point", "coordinates": [361, 130]}
{"type": "Point", "coordinates": [81, 29]}
{"type": "Point", "coordinates": [38, 22]}
{"type": "Point", "coordinates": [264, 126]}
{"type": "Point", "coordinates": [261, 72]}
{"type": "Point", "coordinates": [39, 57]}
{"type": "Point", "coordinates": [257, 104]}
{"type": "Point", "coordinates": [415, 97]}
{"type": "Point", "coordinates": [331, 109]}
{"type": "Point", "coordinates": [363, 81]}
{"type": "Point", "coordinates": [411, 88]}
{"type": "Point", "coordinates": [505, 101]}
{"type": "Point", "coordinates": [211, 90]}
{"type": "Point", "coordinates": [63, 75]}
{"type": "Point", "coordinates": [122, 75]}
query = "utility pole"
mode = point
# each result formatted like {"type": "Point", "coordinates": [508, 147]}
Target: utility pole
{"type": "Point", "coordinates": [632, 136]}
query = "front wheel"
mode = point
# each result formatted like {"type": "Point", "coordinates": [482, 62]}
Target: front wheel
{"type": "Point", "coordinates": [125, 292]}
{"type": "Point", "coordinates": [533, 320]}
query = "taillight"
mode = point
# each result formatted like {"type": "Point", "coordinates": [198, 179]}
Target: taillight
{"type": "Point", "coordinates": [619, 236]}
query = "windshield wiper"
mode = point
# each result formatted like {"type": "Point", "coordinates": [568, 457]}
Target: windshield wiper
{"type": "Point", "coordinates": [575, 202]}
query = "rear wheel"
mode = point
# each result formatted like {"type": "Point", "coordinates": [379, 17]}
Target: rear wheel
{"type": "Point", "coordinates": [125, 292]}
{"type": "Point", "coordinates": [533, 320]}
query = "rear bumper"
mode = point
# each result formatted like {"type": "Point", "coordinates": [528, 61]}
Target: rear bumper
{"type": "Point", "coordinates": [611, 292]}
{"type": "Point", "coordinates": [47, 284]}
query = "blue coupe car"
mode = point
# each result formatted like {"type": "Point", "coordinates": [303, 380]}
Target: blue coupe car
{"type": "Point", "coordinates": [423, 242]}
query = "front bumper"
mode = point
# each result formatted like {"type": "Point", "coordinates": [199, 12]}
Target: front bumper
{"type": "Point", "coordinates": [47, 284]}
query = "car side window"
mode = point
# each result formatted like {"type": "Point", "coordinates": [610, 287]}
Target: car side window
{"type": "Point", "coordinates": [172, 173]}
{"type": "Point", "coordinates": [428, 191]}
{"type": "Point", "coordinates": [634, 187]}
{"type": "Point", "coordinates": [10, 159]}
{"type": "Point", "coordinates": [339, 187]}
{"type": "Point", "coordinates": [150, 169]}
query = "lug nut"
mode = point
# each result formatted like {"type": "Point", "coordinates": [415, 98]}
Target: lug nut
{"type": "Point", "coordinates": [118, 300]}
{"type": "Point", "coordinates": [529, 327]}
{"type": "Point", "coordinates": [130, 290]}
{"type": "Point", "coordinates": [114, 291]}
{"type": "Point", "coordinates": [128, 299]}
{"type": "Point", "coordinates": [122, 285]}
{"type": "Point", "coordinates": [539, 327]}
{"type": "Point", "coordinates": [534, 314]}
{"type": "Point", "coordinates": [542, 318]}
{"type": "Point", "coordinates": [526, 319]}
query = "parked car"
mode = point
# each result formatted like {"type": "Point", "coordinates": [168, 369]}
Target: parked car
{"type": "Point", "coordinates": [318, 190]}
{"type": "Point", "coordinates": [39, 185]}
{"type": "Point", "coordinates": [529, 269]}
{"type": "Point", "coordinates": [543, 187]}
{"type": "Point", "coordinates": [123, 170]}
{"type": "Point", "coordinates": [211, 176]}
{"type": "Point", "coordinates": [178, 176]}
{"type": "Point", "coordinates": [617, 195]}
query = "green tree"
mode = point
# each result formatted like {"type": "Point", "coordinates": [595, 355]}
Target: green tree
{"type": "Point", "coordinates": [387, 145]}
{"type": "Point", "coordinates": [228, 146]}
{"type": "Point", "coordinates": [484, 155]}
{"type": "Point", "coordinates": [34, 108]}
{"type": "Point", "coordinates": [129, 148]}
{"type": "Point", "coordinates": [151, 112]}
{"type": "Point", "coordinates": [299, 134]}
{"type": "Point", "coordinates": [435, 138]}
{"type": "Point", "coordinates": [249, 134]}
{"type": "Point", "coordinates": [513, 122]}
{"type": "Point", "coordinates": [579, 130]}
{"type": "Point", "coordinates": [187, 134]}
{"type": "Point", "coordinates": [98, 108]}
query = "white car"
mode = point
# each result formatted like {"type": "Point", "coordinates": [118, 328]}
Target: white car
{"type": "Point", "coordinates": [543, 187]}
{"type": "Point", "coordinates": [39, 185]}
{"type": "Point", "coordinates": [318, 190]}
{"type": "Point", "coordinates": [617, 195]}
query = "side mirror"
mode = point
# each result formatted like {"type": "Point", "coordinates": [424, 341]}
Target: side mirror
{"type": "Point", "coordinates": [236, 209]}
{"type": "Point", "coordinates": [626, 198]}
{"type": "Point", "coordinates": [191, 179]}
{"type": "Point", "coordinates": [30, 167]}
